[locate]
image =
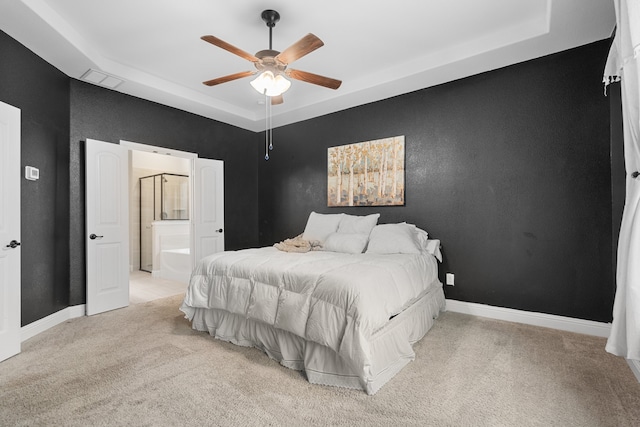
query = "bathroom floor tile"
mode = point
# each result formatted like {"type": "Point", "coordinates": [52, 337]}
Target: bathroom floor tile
{"type": "Point", "coordinates": [144, 287]}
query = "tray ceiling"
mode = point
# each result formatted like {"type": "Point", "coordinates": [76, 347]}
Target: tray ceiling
{"type": "Point", "coordinates": [378, 49]}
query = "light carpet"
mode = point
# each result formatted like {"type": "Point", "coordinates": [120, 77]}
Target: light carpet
{"type": "Point", "coordinates": [144, 366]}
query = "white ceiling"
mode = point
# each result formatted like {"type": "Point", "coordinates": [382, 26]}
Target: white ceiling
{"type": "Point", "coordinates": [379, 49]}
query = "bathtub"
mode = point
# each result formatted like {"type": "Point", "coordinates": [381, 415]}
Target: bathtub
{"type": "Point", "coordinates": [171, 257]}
{"type": "Point", "coordinates": [175, 264]}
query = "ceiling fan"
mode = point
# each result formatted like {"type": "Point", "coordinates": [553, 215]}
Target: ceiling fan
{"type": "Point", "coordinates": [273, 65]}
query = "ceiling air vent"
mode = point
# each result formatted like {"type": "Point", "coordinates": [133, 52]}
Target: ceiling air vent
{"type": "Point", "coordinates": [101, 79]}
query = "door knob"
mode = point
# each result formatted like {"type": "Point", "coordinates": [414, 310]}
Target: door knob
{"type": "Point", "coordinates": [94, 237]}
{"type": "Point", "coordinates": [13, 244]}
{"type": "Point", "coordinates": [219, 230]}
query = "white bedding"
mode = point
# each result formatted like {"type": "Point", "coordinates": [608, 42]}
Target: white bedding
{"type": "Point", "coordinates": [333, 299]}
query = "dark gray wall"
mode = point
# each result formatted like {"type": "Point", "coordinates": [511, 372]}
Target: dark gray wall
{"type": "Point", "coordinates": [42, 94]}
{"type": "Point", "coordinates": [511, 169]}
{"type": "Point", "coordinates": [518, 171]}
{"type": "Point", "coordinates": [110, 116]}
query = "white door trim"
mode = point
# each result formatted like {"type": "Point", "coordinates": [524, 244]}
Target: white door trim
{"type": "Point", "coordinates": [158, 150]}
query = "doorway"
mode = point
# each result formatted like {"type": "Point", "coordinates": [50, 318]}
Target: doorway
{"type": "Point", "coordinates": [159, 207]}
{"type": "Point", "coordinates": [108, 188]}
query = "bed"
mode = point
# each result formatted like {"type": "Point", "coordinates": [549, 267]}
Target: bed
{"type": "Point", "coordinates": [347, 315]}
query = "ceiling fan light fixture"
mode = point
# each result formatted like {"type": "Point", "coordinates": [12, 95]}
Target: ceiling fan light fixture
{"type": "Point", "coordinates": [268, 84]}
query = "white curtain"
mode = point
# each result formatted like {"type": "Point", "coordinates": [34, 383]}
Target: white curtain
{"type": "Point", "coordinates": [622, 65]}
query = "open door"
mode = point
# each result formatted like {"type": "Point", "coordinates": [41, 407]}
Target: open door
{"type": "Point", "coordinates": [107, 226]}
{"type": "Point", "coordinates": [9, 231]}
{"type": "Point", "coordinates": [208, 208]}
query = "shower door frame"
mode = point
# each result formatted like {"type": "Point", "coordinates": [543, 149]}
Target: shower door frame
{"type": "Point", "coordinates": [154, 207]}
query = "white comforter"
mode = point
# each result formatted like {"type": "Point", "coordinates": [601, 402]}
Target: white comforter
{"type": "Point", "coordinates": [335, 299]}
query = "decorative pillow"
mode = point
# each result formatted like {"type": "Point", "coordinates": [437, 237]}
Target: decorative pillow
{"type": "Point", "coordinates": [358, 224]}
{"type": "Point", "coordinates": [422, 237]}
{"type": "Point", "coordinates": [348, 243]}
{"type": "Point", "coordinates": [319, 226]}
{"type": "Point", "coordinates": [393, 239]}
{"type": "Point", "coordinates": [433, 248]}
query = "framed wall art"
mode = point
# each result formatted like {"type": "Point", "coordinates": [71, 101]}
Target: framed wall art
{"type": "Point", "coordinates": [367, 173]}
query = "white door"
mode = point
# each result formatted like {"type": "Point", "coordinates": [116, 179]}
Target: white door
{"type": "Point", "coordinates": [107, 226]}
{"type": "Point", "coordinates": [9, 231]}
{"type": "Point", "coordinates": [208, 208]}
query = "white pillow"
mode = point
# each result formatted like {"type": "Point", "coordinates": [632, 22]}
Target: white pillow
{"type": "Point", "coordinates": [393, 239]}
{"type": "Point", "coordinates": [348, 243]}
{"type": "Point", "coordinates": [422, 237]}
{"type": "Point", "coordinates": [319, 226]}
{"type": "Point", "coordinates": [433, 247]}
{"type": "Point", "coordinates": [358, 224]}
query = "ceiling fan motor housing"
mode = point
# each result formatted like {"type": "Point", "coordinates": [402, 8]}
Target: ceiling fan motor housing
{"type": "Point", "coordinates": [268, 61]}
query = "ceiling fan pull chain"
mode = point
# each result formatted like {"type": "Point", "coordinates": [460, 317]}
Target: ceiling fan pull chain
{"type": "Point", "coordinates": [266, 130]}
{"type": "Point", "coordinates": [270, 125]}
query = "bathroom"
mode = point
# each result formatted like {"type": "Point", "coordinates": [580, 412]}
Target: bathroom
{"type": "Point", "coordinates": [160, 238]}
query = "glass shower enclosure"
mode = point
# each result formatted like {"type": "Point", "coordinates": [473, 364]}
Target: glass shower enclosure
{"type": "Point", "coordinates": [163, 197]}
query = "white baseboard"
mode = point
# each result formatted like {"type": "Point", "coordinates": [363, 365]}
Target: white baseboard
{"type": "Point", "coordinates": [34, 328]}
{"type": "Point", "coordinates": [635, 367]}
{"type": "Point", "coordinates": [570, 324]}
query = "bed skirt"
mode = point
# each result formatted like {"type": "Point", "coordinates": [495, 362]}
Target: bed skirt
{"type": "Point", "coordinates": [391, 345]}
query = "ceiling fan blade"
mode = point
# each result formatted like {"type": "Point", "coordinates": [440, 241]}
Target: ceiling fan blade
{"type": "Point", "coordinates": [277, 100]}
{"type": "Point", "coordinates": [302, 47]}
{"type": "Point", "coordinates": [229, 78]}
{"type": "Point", "coordinates": [315, 79]}
{"type": "Point", "coordinates": [230, 48]}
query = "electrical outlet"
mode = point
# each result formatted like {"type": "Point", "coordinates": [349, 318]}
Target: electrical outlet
{"type": "Point", "coordinates": [450, 279]}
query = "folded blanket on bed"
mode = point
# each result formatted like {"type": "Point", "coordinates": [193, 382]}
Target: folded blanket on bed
{"type": "Point", "coordinates": [297, 244]}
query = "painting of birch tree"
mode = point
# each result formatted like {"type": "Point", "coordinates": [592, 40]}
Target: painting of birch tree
{"type": "Point", "coordinates": [367, 173]}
